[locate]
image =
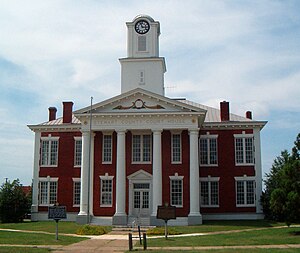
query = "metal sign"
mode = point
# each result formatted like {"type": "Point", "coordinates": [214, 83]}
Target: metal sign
{"type": "Point", "coordinates": [57, 212]}
{"type": "Point", "coordinates": [166, 212]}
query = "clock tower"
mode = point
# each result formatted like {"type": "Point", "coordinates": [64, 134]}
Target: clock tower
{"type": "Point", "coordinates": [143, 68]}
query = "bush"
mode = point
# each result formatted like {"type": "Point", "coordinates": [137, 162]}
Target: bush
{"type": "Point", "coordinates": [161, 231]}
{"type": "Point", "coordinates": [14, 204]}
{"type": "Point", "coordinates": [91, 230]}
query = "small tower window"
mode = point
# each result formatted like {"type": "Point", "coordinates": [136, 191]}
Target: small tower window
{"type": "Point", "coordinates": [141, 77]}
{"type": "Point", "coordinates": [142, 43]}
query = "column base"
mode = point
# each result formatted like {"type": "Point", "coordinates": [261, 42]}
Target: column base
{"type": "Point", "coordinates": [156, 222]}
{"type": "Point", "coordinates": [119, 220]}
{"type": "Point", "coordinates": [83, 219]}
{"type": "Point", "coordinates": [195, 219]}
{"type": "Point", "coordinates": [34, 212]}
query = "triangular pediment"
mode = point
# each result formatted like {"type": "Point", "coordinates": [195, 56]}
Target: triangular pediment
{"type": "Point", "coordinates": [139, 101]}
{"type": "Point", "coordinates": [140, 175]}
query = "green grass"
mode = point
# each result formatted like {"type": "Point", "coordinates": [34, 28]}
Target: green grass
{"type": "Point", "coordinates": [227, 251]}
{"type": "Point", "coordinates": [260, 237]}
{"type": "Point", "coordinates": [214, 226]}
{"type": "Point", "coordinates": [23, 250]}
{"type": "Point", "coordinates": [46, 226]}
{"type": "Point", "coordinates": [21, 238]}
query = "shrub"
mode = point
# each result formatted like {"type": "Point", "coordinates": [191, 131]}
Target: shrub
{"type": "Point", "coordinates": [161, 231]}
{"type": "Point", "coordinates": [91, 230]}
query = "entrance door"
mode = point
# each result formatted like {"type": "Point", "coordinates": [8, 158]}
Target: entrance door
{"type": "Point", "coordinates": [141, 197]}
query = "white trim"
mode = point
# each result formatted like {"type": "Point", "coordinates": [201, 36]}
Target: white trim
{"type": "Point", "coordinates": [76, 180]}
{"type": "Point", "coordinates": [180, 143]}
{"type": "Point", "coordinates": [47, 179]}
{"type": "Point", "coordinates": [245, 179]}
{"type": "Point", "coordinates": [243, 137]}
{"type": "Point", "coordinates": [179, 178]}
{"type": "Point", "coordinates": [141, 134]}
{"type": "Point", "coordinates": [111, 148]}
{"type": "Point", "coordinates": [208, 137]}
{"type": "Point", "coordinates": [108, 178]}
{"type": "Point", "coordinates": [49, 139]}
{"type": "Point", "coordinates": [77, 138]}
{"type": "Point", "coordinates": [210, 179]}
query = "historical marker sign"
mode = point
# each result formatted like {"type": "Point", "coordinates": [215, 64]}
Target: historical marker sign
{"type": "Point", "coordinates": [166, 212]}
{"type": "Point", "coordinates": [57, 212]}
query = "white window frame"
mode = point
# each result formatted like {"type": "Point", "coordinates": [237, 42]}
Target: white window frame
{"type": "Point", "coordinates": [76, 181]}
{"type": "Point", "coordinates": [243, 137]}
{"type": "Point", "coordinates": [77, 154]}
{"type": "Point", "coordinates": [172, 148]}
{"type": "Point", "coordinates": [50, 141]}
{"type": "Point", "coordinates": [176, 178]}
{"type": "Point", "coordinates": [109, 161]}
{"type": "Point", "coordinates": [141, 161]}
{"type": "Point", "coordinates": [208, 137]}
{"type": "Point", "coordinates": [141, 77]}
{"type": "Point", "coordinates": [48, 180]}
{"type": "Point", "coordinates": [209, 180]}
{"type": "Point", "coordinates": [108, 178]}
{"type": "Point", "coordinates": [245, 179]}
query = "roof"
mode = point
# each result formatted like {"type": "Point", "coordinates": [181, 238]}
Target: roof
{"type": "Point", "coordinates": [59, 121]}
{"type": "Point", "coordinates": [213, 114]}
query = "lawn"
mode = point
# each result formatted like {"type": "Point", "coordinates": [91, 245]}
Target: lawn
{"type": "Point", "coordinates": [46, 226]}
{"type": "Point", "coordinates": [23, 250]}
{"type": "Point", "coordinates": [20, 238]}
{"type": "Point", "coordinates": [227, 251]}
{"type": "Point", "coordinates": [214, 226]}
{"type": "Point", "coordinates": [266, 236]}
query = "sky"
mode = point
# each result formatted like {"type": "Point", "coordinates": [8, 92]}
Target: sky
{"type": "Point", "coordinates": [244, 52]}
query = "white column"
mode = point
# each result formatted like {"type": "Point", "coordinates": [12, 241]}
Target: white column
{"type": "Point", "coordinates": [194, 215]}
{"type": "Point", "coordinates": [91, 193]}
{"type": "Point", "coordinates": [157, 172]}
{"type": "Point", "coordinates": [258, 170]}
{"type": "Point", "coordinates": [35, 180]}
{"type": "Point", "coordinates": [120, 179]}
{"type": "Point", "coordinates": [84, 174]}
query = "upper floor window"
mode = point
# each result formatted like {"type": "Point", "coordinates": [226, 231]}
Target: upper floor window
{"type": "Point", "coordinates": [78, 151]}
{"type": "Point", "coordinates": [208, 150]}
{"type": "Point", "coordinates": [49, 151]}
{"type": "Point", "coordinates": [107, 148]}
{"type": "Point", "coordinates": [245, 191]}
{"type": "Point", "coordinates": [141, 148]}
{"type": "Point", "coordinates": [176, 148]}
{"type": "Point", "coordinates": [142, 77]}
{"type": "Point", "coordinates": [48, 191]}
{"type": "Point", "coordinates": [244, 149]}
{"type": "Point", "coordinates": [209, 191]}
{"type": "Point", "coordinates": [176, 191]}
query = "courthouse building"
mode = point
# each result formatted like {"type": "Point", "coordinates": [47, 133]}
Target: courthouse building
{"type": "Point", "coordinates": [116, 161]}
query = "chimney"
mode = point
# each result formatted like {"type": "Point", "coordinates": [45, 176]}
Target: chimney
{"type": "Point", "coordinates": [249, 115]}
{"type": "Point", "coordinates": [52, 113]}
{"type": "Point", "coordinates": [67, 112]}
{"type": "Point", "coordinates": [224, 111]}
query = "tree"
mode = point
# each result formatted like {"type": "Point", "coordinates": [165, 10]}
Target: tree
{"type": "Point", "coordinates": [14, 204]}
{"type": "Point", "coordinates": [281, 198]}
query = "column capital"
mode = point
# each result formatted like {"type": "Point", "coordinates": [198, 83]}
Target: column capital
{"type": "Point", "coordinates": [121, 131]}
{"type": "Point", "coordinates": [194, 131]}
{"type": "Point", "coordinates": [157, 131]}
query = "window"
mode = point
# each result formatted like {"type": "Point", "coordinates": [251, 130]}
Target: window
{"type": "Point", "coordinates": [106, 190]}
{"type": "Point", "coordinates": [49, 151]}
{"type": "Point", "coordinates": [244, 149]}
{"type": "Point", "coordinates": [47, 191]}
{"type": "Point", "coordinates": [176, 190]}
{"type": "Point", "coordinates": [107, 149]}
{"type": "Point", "coordinates": [209, 188]}
{"type": "Point", "coordinates": [141, 148]}
{"type": "Point", "coordinates": [142, 44]}
{"type": "Point", "coordinates": [142, 77]}
{"type": "Point", "coordinates": [208, 150]}
{"type": "Point", "coordinates": [76, 191]}
{"type": "Point", "coordinates": [176, 148]}
{"type": "Point", "coordinates": [78, 151]}
{"type": "Point", "coordinates": [245, 192]}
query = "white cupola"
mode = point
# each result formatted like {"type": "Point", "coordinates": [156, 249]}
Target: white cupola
{"type": "Point", "coordinates": [143, 68]}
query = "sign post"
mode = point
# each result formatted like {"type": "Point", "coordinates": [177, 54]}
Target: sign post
{"type": "Point", "coordinates": [57, 213]}
{"type": "Point", "coordinates": [166, 213]}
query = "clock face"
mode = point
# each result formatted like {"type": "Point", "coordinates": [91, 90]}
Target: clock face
{"type": "Point", "coordinates": [142, 27]}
